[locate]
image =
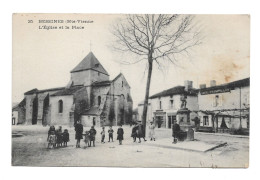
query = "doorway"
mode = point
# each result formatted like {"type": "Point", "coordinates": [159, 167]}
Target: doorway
{"type": "Point", "coordinates": [159, 121]}
{"type": "Point", "coordinates": [171, 120]}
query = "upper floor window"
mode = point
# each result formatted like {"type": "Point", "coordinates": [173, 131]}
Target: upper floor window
{"type": "Point", "coordinates": [171, 103]}
{"type": "Point", "coordinates": [217, 101]}
{"type": "Point", "coordinates": [60, 104]}
{"type": "Point", "coordinates": [96, 65]}
{"type": "Point", "coordinates": [160, 105]}
{"type": "Point", "coordinates": [122, 84]}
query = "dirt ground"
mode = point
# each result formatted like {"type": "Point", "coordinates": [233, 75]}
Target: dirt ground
{"type": "Point", "coordinates": [29, 148]}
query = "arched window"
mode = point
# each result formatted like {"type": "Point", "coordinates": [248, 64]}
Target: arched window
{"type": "Point", "coordinates": [60, 106]}
{"type": "Point", "coordinates": [99, 100]}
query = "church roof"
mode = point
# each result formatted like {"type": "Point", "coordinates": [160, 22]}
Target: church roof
{"type": "Point", "coordinates": [90, 62]}
{"type": "Point", "coordinates": [42, 91]}
{"type": "Point", "coordinates": [101, 83]}
{"type": "Point", "coordinates": [67, 91]}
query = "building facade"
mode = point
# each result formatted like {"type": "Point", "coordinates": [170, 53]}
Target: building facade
{"type": "Point", "coordinates": [164, 107]}
{"type": "Point", "coordinates": [89, 97]}
{"type": "Point", "coordinates": [225, 107]}
{"type": "Point", "coordinates": [218, 108]}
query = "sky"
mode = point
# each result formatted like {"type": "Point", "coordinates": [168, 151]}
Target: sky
{"type": "Point", "coordinates": [43, 58]}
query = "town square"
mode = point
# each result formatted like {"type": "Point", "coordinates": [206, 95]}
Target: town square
{"type": "Point", "coordinates": [148, 90]}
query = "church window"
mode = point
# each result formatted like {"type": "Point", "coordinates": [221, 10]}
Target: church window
{"type": "Point", "coordinates": [122, 84]}
{"type": "Point", "coordinates": [99, 100]}
{"type": "Point", "coordinates": [160, 104]}
{"type": "Point", "coordinates": [60, 106]}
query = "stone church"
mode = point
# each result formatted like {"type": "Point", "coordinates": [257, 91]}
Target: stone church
{"type": "Point", "coordinates": [90, 97]}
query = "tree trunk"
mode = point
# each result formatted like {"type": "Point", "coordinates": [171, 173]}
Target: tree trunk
{"type": "Point", "coordinates": [150, 68]}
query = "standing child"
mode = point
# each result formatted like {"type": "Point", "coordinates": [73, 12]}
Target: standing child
{"type": "Point", "coordinates": [59, 138]}
{"type": "Point", "coordinates": [93, 133]}
{"type": "Point", "coordinates": [103, 135]}
{"type": "Point", "coordinates": [120, 134]}
{"type": "Point", "coordinates": [87, 139]}
{"type": "Point", "coordinates": [134, 132]}
{"type": "Point", "coordinates": [66, 137]}
{"type": "Point", "coordinates": [51, 139]}
{"type": "Point", "coordinates": [110, 134]}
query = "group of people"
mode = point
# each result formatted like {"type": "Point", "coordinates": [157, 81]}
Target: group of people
{"type": "Point", "coordinates": [138, 131]}
{"type": "Point", "coordinates": [57, 138]}
{"type": "Point", "coordinates": [90, 136]}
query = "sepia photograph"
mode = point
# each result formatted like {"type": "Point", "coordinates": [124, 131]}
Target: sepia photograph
{"type": "Point", "coordinates": [130, 90]}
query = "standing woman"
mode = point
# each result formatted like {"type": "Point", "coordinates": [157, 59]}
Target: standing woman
{"type": "Point", "coordinates": [78, 135]}
{"type": "Point", "coordinates": [151, 131]}
{"type": "Point", "coordinates": [120, 134]}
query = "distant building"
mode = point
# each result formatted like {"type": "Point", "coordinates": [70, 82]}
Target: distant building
{"type": "Point", "coordinates": [89, 97]}
{"type": "Point", "coordinates": [226, 106]}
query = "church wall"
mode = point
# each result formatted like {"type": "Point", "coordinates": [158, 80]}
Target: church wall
{"type": "Point", "coordinates": [41, 98]}
{"type": "Point", "coordinates": [81, 102]}
{"type": "Point", "coordinates": [64, 117]}
{"type": "Point", "coordinates": [99, 91]}
{"type": "Point", "coordinates": [87, 77]}
{"type": "Point", "coordinates": [97, 76]}
{"type": "Point", "coordinates": [21, 115]}
{"type": "Point", "coordinates": [81, 77]}
{"type": "Point", "coordinates": [29, 108]}
{"type": "Point", "coordinates": [121, 90]}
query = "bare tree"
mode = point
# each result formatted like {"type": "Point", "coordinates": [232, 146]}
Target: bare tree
{"type": "Point", "coordinates": [155, 38]}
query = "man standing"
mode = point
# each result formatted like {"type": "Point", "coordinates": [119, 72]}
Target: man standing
{"type": "Point", "coordinates": [120, 134]}
{"type": "Point", "coordinates": [175, 131]}
{"type": "Point", "coordinates": [78, 135]}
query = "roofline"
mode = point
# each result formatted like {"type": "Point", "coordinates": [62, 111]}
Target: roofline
{"type": "Point", "coordinates": [89, 69]}
{"type": "Point", "coordinates": [158, 94]}
{"type": "Point", "coordinates": [42, 91]}
{"type": "Point", "coordinates": [247, 83]}
{"type": "Point", "coordinates": [72, 94]}
{"type": "Point", "coordinates": [120, 74]}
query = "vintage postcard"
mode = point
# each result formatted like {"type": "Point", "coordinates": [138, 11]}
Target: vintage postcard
{"type": "Point", "coordinates": [131, 90]}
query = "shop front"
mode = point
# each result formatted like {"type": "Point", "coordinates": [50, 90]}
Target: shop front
{"type": "Point", "coordinates": [160, 119]}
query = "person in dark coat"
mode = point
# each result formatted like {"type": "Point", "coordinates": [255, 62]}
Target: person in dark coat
{"type": "Point", "coordinates": [66, 137]}
{"type": "Point", "coordinates": [120, 134]}
{"type": "Point", "coordinates": [59, 136]}
{"type": "Point", "coordinates": [140, 132]}
{"type": "Point", "coordinates": [134, 132]}
{"type": "Point", "coordinates": [110, 134]}
{"type": "Point", "coordinates": [79, 132]}
{"type": "Point", "coordinates": [92, 133]}
{"type": "Point", "coordinates": [175, 131]}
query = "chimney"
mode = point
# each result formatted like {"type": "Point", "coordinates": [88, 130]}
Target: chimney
{"type": "Point", "coordinates": [202, 86]}
{"type": "Point", "coordinates": [188, 85]}
{"type": "Point", "coordinates": [212, 83]}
